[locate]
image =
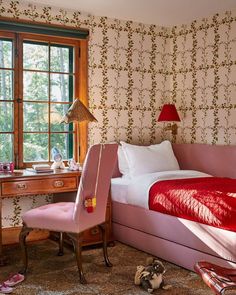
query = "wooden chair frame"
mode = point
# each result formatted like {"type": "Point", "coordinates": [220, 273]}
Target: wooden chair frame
{"type": "Point", "coordinates": [77, 242]}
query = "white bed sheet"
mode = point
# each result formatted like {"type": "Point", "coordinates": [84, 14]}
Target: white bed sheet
{"type": "Point", "coordinates": [119, 189]}
{"type": "Point", "coordinates": [135, 191]}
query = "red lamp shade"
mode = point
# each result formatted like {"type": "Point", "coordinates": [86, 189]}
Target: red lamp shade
{"type": "Point", "coordinates": [168, 113]}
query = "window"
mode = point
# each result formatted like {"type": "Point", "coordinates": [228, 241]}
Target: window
{"type": "Point", "coordinates": [40, 75]}
{"type": "Point", "coordinates": [6, 100]}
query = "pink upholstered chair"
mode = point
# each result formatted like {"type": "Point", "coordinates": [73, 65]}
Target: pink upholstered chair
{"type": "Point", "coordinates": [72, 217]}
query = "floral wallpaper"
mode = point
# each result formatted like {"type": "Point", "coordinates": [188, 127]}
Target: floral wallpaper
{"type": "Point", "coordinates": [203, 79]}
{"type": "Point", "coordinates": [128, 63]}
{"type": "Point", "coordinates": [134, 68]}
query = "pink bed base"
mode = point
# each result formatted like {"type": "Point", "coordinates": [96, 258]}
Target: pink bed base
{"type": "Point", "coordinates": [177, 240]}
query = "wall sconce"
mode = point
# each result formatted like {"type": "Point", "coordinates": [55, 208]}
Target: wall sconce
{"type": "Point", "coordinates": [169, 114]}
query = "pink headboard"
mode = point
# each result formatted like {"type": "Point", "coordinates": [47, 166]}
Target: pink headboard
{"type": "Point", "coordinates": [217, 160]}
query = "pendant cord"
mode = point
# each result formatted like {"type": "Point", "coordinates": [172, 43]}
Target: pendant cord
{"type": "Point", "coordinates": [98, 172]}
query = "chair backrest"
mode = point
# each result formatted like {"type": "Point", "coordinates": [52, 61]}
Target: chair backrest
{"type": "Point", "coordinates": [107, 154]}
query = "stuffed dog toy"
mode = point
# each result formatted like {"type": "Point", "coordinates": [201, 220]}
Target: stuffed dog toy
{"type": "Point", "coordinates": [150, 277]}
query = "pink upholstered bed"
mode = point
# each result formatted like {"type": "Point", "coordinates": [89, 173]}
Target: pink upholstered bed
{"type": "Point", "coordinates": [178, 240]}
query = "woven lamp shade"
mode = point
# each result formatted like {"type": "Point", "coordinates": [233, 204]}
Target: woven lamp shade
{"type": "Point", "coordinates": [78, 113]}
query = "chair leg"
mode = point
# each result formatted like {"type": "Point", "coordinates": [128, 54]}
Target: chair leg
{"type": "Point", "coordinates": [103, 228]}
{"type": "Point", "coordinates": [61, 242]}
{"type": "Point", "coordinates": [22, 239]}
{"type": "Point", "coordinates": [76, 239]}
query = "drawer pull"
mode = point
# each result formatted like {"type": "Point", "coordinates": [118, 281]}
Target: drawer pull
{"type": "Point", "coordinates": [58, 183]}
{"type": "Point", "coordinates": [22, 186]}
{"type": "Point", "coordinates": [94, 231]}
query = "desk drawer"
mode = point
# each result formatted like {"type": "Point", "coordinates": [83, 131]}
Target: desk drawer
{"type": "Point", "coordinates": [39, 186]}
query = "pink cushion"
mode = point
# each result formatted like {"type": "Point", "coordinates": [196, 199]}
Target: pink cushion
{"type": "Point", "coordinates": [55, 217]}
{"type": "Point", "coordinates": [73, 217]}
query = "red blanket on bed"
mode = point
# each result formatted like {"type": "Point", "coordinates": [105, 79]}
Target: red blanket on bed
{"type": "Point", "coordinates": [208, 200]}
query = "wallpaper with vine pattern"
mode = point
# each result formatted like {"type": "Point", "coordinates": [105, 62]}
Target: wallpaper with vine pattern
{"type": "Point", "coordinates": [203, 79]}
{"type": "Point", "coordinates": [134, 68]}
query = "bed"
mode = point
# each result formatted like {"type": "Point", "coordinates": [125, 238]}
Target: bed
{"type": "Point", "coordinates": [175, 239]}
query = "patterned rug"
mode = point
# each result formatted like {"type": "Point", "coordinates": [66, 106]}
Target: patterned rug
{"type": "Point", "coordinates": [52, 275]}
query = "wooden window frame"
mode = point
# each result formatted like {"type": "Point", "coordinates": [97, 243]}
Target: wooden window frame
{"type": "Point", "coordinates": [80, 81]}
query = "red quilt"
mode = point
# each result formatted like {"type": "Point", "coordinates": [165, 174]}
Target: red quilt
{"type": "Point", "coordinates": [208, 200]}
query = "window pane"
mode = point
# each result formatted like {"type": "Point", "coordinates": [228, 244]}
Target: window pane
{"type": "Point", "coordinates": [57, 112]}
{"type": "Point", "coordinates": [6, 147]}
{"type": "Point", "coordinates": [35, 117]}
{"type": "Point", "coordinates": [59, 59]}
{"type": "Point", "coordinates": [62, 142]}
{"type": "Point", "coordinates": [35, 147]}
{"type": "Point", "coordinates": [5, 54]}
{"type": "Point", "coordinates": [35, 56]}
{"type": "Point", "coordinates": [5, 84]}
{"type": "Point", "coordinates": [59, 87]}
{"type": "Point", "coordinates": [6, 116]}
{"type": "Point", "coordinates": [35, 86]}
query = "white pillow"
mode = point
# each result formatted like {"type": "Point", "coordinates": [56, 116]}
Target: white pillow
{"type": "Point", "coordinates": [150, 159]}
{"type": "Point", "coordinates": [122, 162]}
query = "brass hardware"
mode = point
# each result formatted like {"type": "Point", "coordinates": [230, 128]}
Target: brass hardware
{"type": "Point", "coordinates": [172, 127]}
{"type": "Point", "coordinates": [94, 231]}
{"type": "Point", "coordinates": [58, 183]}
{"type": "Point", "coordinates": [21, 186]}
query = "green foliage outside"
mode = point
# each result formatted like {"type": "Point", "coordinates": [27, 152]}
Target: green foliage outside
{"type": "Point", "coordinates": [47, 76]}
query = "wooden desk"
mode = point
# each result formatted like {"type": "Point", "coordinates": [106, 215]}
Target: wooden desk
{"type": "Point", "coordinates": [24, 182]}
{"type": "Point", "coordinates": [60, 182]}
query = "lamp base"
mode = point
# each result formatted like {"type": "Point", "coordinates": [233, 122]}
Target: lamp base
{"type": "Point", "coordinates": [173, 127]}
